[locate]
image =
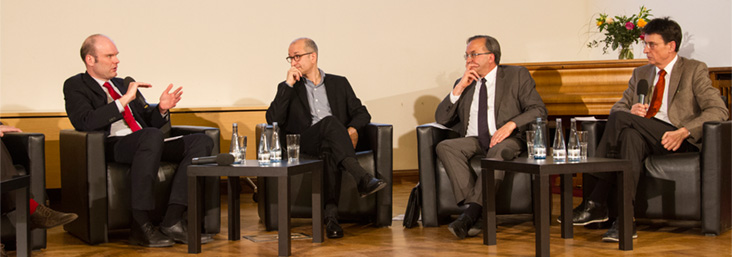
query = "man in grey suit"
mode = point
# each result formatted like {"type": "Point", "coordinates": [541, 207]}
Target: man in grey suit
{"type": "Point", "coordinates": [668, 121]}
{"type": "Point", "coordinates": [490, 106]}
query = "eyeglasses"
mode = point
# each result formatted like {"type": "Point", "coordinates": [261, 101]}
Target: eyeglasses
{"type": "Point", "coordinates": [473, 55]}
{"type": "Point", "coordinates": [296, 57]}
{"type": "Point", "coordinates": [651, 45]}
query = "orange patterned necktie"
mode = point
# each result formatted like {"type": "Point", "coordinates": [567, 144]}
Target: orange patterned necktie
{"type": "Point", "coordinates": [657, 95]}
{"type": "Point", "coordinates": [127, 114]}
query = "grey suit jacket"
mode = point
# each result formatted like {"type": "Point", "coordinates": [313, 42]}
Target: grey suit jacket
{"type": "Point", "coordinates": [692, 98]}
{"type": "Point", "coordinates": [516, 100]}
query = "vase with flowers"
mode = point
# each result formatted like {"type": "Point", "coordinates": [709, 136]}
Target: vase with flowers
{"type": "Point", "coordinates": [621, 32]}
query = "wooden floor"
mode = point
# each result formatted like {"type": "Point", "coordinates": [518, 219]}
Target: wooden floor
{"type": "Point", "coordinates": [515, 238]}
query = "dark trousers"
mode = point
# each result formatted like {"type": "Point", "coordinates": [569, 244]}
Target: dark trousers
{"type": "Point", "coordinates": [329, 140]}
{"type": "Point", "coordinates": [633, 138]}
{"type": "Point", "coordinates": [144, 150]}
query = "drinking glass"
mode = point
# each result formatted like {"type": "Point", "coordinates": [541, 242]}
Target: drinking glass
{"type": "Point", "coordinates": [530, 142]}
{"type": "Point", "coordinates": [583, 144]}
{"type": "Point", "coordinates": [293, 147]}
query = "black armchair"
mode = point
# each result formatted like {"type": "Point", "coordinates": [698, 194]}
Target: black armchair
{"type": "Point", "coordinates": [28, 153]}
{"type": "Point", "coordinates": [438, 201]}
{"type": "Point", "coordinates": [99, 191]}
{"type": "Point", "coordinates": [374, 153]}
{"type": "Point", "coordinates": [684, 186]}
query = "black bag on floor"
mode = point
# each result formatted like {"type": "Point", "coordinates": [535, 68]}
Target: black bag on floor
{"type": "Point", "coordinates": [411, 215]}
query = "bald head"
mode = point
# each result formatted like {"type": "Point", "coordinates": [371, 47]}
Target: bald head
{"type": "Point", "coordinates": [100, 56]}
{"type": "Point", "coordinates": [88, 47]}
{"type": "Point", "coordinates": [310, 45]}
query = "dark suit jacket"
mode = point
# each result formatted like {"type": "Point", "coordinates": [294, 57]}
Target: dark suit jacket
{"type": "Point", "coordinates": [516, 100]}
{"type": "Point", "coordinates": [291, 110]}
{"type": "Point", "coordinates": [693, 99]}
{"type": "Point", "coordinates": [88, 110]}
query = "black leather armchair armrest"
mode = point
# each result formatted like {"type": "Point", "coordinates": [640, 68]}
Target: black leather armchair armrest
{"type": "Point", "coordinates": [428, 135]}
{"type": "Point", "coordinates": [715, 177]}
{"type": "Point", "coordinates": [379, 138]}
{"type": "Point", "coordinates": [28, 150]}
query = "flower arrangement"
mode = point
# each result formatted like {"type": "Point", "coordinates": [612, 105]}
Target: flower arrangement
{"type": "Point", "coordinates": [621, 31]}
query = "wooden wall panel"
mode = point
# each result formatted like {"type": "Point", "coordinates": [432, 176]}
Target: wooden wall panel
{"type": "Point", "coordinates": [51, 123]}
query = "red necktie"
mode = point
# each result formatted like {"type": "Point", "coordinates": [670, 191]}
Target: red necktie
{"type": "Point", "coordinates": [484, 135]}
{"type": "Point", "coordinates": [657, 95]}
{"type": "Point", "coordinates": [127, 114]}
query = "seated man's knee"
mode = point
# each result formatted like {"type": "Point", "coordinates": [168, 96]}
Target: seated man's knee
{"type": "Point", "coordinates": [202, 142]}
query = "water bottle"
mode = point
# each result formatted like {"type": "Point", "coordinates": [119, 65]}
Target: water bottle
{"type": "Point", "coordinates": [559, 151]}
{"type": "Point", "coordinates": [573, 145]}
{"type": "Point", "coordinates": [275, 153]}
{"type": "Point", "coordinates": [234, 147]}
{"type": "Point", "coordinates": [263, 148]}
{"type": "Point", "coordinates": [539, 145]}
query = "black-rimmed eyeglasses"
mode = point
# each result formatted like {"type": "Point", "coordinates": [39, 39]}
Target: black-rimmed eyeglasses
{"type": "Point", "coordinates": [296, 57]}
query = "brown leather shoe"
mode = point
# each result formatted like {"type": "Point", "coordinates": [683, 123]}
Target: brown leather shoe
{"type": "Point", "coordinates": [46, 218]}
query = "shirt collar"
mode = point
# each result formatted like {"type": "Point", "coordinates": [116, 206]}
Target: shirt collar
{"type": "Point", "coordinates": [669, 66]}
{"type": "Point", "coordinates": [491, 76]}
{"type": "Point", "coordinates": [322, 79]}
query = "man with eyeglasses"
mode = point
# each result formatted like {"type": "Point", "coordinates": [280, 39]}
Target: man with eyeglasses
{"type": "Point", "coordinates": [325, 111]}
{"type": "Point", "coordinates": [490, 106]}
{"type": "Point", "coordinates": [668, 121]}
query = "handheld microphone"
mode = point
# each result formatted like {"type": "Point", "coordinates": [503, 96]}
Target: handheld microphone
{"type": "Point", "coordinates": [222, 159]}
{"type": "Point", "coordinates": [642, 91]}
{"type": "Point", "coordinates": [139, 96]}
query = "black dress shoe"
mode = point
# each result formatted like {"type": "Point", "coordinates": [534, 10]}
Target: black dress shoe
{"type": "Point", "coordinates": [587, 213]}
{"type": "Point", "coordinates": [179, 233]}
{"type": "Point", "coordinates": [613, 234]}
{"type": "Point", "coordinates": [461, 226]}
{"type": "Point", "coordinates": [146, 235]}
{"type": "Point", "coordinates": [370, 185]}
{"type": "Point", "coordinates": [332, 228]}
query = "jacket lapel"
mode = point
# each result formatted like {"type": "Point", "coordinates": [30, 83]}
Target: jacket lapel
{"type": "Point", "coordinates": [673, 84]}
{"type": "Point", "coordinates": [500, 83]}
{"type": "Point", "coordinates": [94, 86]}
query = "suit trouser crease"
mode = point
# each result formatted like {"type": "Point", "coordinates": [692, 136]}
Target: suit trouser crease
{"type": "Point", "coordinates": [455, 155]}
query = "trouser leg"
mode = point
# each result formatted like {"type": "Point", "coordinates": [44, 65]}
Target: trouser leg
{"type": "Point", "coordinates": [142, 150]}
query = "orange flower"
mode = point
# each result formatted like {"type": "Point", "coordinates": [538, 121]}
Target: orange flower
{"type": "Point", "coordinates": [642, 23]}
{"type": "Point", "coordinates": [599, 23]}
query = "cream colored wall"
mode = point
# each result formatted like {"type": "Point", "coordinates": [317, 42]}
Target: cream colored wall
{"type": "Point", "coordinates": [400, 56]}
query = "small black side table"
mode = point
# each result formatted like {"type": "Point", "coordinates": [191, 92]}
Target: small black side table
{"type": "Point", "coordinates": [282, 171]}
{"type": "Point", "coordinates": [541, 169]}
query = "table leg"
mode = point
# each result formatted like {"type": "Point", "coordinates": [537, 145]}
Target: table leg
{"type": "Point", "coordinates": [489, 206]}
{"type": "Point", "coordinates": [566, 205]}
{"type": "Point", "coordinates": [22, 238]}
{"type": "Point", "coordinates": [283, 215]}
{"type": "Point", "coordinates": [542, 194]}
{"type": "Point", "coordinates": [234, 215]}
{"type": "Point", "coordinates": [194, 218]}
{"type": "Point", "coordinates": [317, 175]}
{"type": "Point", "coordinates": [625, 209]}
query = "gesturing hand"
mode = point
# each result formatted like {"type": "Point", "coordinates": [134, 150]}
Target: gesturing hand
{"type": "Point", "coordinates": [169, 100]}
{"type": "Point", "coordinates": [131, 93]}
